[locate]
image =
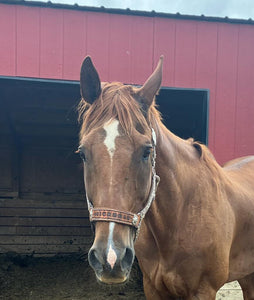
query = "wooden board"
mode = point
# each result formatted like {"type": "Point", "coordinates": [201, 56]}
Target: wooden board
{"type": "Point", "coordinates": [44, 227]}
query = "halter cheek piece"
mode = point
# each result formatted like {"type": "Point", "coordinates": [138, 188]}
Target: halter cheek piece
{"type": "Point", "coordinates": [123, 217]}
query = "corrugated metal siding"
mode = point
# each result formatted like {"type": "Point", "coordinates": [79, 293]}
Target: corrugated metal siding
{"type": "Point", "coordinates": [51, 43]}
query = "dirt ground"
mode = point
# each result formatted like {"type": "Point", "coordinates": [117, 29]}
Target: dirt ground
{"type": "Point", "coordinates": [59, 278]}
{"type": "Point", "coordinates": [71, 278]}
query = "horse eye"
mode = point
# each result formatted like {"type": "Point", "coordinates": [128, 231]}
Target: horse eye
{"type": "Point", "coordinates": [82, 156]}
{"type": "Point", "coordinates": [147, 153]}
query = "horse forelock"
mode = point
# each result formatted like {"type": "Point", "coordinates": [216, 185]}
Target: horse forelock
{"type": "Point", "coordinates": [116, 102]}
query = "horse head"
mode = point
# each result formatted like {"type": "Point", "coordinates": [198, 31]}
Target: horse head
{"type": "Point", "coordinates": [117, 146]}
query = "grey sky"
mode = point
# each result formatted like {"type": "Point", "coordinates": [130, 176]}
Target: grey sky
{"type": "Point", "coordinates": [243, 9]}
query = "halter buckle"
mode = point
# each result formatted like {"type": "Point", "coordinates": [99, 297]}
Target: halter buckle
{"type": "Point", "coordinates": [135, 220]}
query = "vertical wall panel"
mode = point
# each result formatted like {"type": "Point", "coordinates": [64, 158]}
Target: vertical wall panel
{"type": "Point", "coordinates": [226, 91]}
{"type": "Point", "coordinates": [244, 123]}
{"type": "Point", "coordinates": [51, 43]}
{"type": "Point", "coordinates": [7, 40]}
{"type": "Point", "coordinates": [119, 43]}
{"type": "Point", "coordinates": [164, 44]}
{"type": "Point", "coordinates": [141, 50]}
{"type": "Point", "coordinates": [206, 70]}
{"type": "Point", "coordinates": [74, 42]}
{"type": "Point", "coordinates": [97, 30]}
{"type": "Point", "coordinates": [28, 41]}
{"type": "Point", "coordinates": [185, 54]}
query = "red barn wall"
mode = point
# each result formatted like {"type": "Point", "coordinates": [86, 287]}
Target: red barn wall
{"type": "Point", "coordinates": [51, 43]}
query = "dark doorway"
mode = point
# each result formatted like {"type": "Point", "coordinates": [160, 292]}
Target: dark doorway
{"type": "Point", "coordinates": [38, 126]}
{"type": "Point", "coordinates": [42, 199]}
{"type": "Point", "coordinates": [185, 112]}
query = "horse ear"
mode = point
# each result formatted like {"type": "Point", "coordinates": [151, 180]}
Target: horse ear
{"type": "Point", "coordinates": [90, 85]}
{"type": "Point", "coordinates": [151, 87]}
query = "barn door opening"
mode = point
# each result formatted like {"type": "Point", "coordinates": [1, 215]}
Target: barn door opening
{"type": "Point", "coordinates": [42, 200]}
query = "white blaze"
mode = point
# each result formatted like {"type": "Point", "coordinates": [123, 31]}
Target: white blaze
{"type": "Point", "coordinates": [112, 132]}
{"type": "Point", "coordinates": [111, 256]}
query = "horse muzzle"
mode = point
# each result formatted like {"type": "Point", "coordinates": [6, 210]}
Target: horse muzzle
{"type": "Point", "coordinates": [112, 266]}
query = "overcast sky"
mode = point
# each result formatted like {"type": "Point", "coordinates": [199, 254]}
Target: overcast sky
{"type": "Point", "coordinates": [241, 9]}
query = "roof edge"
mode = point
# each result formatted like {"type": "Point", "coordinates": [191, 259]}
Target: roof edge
{"type": "Point", "coordinates": [128, 11]}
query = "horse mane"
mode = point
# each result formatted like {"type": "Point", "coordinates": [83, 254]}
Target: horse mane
{"type": "Point", "coordinates": [206, 157]}
{"type": "Point", "coordinates": [117, 102]}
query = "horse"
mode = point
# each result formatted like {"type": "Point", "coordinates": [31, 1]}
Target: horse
{"type": "Point", "coordinates": [188, 220]}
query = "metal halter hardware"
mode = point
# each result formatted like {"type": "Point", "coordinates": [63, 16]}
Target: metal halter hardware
{"type": "Point", "coordinates": [123, 217]}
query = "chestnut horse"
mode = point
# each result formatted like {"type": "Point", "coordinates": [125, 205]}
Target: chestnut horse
{"type": "Point", "coordinates": [191, 235]}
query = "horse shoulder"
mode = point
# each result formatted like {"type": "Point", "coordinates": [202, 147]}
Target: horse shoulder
{"type": "Point", "coordinates": [240, 173]}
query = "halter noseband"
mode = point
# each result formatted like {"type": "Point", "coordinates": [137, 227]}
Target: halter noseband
{"type": "Point", "coordinates": [123, 217]}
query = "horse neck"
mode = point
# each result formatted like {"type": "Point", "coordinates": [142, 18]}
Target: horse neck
{"type": "Point", "coordinates": [174, 164]}
{"type": "Point", "coordinates": [175, 161]}
{"type": "Point", "coordinates": [178, 165]}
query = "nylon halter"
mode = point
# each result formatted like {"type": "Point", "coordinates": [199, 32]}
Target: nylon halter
{"type": "Point", "coordinates": [123, 217]}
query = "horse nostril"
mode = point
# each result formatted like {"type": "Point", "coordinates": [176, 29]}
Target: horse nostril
{"type": "Point", "coordinates": [128, 259]}
{"type": "Point", "coordinates": [94, 260]}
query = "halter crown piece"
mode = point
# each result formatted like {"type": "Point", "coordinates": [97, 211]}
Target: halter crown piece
{"type": "Point", "coordinates": [123, 217]}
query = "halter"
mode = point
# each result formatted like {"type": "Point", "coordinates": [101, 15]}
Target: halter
{"type": "Point", "coordinates": [123, 217]}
